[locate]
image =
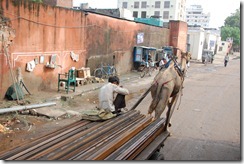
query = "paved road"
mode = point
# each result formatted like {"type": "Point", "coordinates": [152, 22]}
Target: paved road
{"type": "Point", "coordinates": [207, 124]}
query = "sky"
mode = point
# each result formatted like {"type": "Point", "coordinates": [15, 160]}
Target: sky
{"type": "Point", "coordinates": [219, 9]}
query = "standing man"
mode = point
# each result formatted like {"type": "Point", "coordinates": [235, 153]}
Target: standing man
{"type": "Point", "coordinates": [107, 94]}
{"type": "Point", "coordinates": [226, 59]}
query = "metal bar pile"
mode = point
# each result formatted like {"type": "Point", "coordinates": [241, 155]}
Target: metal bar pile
{"type": "Point", "coordinates": [120, 138]}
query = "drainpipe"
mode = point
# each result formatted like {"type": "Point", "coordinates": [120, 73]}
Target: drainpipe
{"type": "Point", "coordinates": [17, 108]}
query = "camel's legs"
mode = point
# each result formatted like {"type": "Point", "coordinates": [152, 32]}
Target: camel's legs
{"type": "Point", "coordinates": [168, 114]}
{"type": "Point", "coordinates": [163, 101]}
{"type": "Point", "coordinates": [155, 99]}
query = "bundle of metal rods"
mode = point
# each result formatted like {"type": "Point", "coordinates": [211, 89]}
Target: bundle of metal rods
{"type": "Point", "coordinates": [121, 138]}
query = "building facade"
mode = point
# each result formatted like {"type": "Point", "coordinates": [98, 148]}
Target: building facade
{"type": "Point", "coordinates": [195, 41]}
{"type": "Point", "coordinates": [200, 39]}
{"type": "Point", "coordinates": [165, 9]}
{"type": "Point", "coordinates": [196, 17]}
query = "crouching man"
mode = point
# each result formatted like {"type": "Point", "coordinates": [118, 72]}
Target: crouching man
{"type": "Point", "coordinates": [107, 94]}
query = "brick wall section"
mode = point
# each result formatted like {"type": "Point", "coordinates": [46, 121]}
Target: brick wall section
{"type": "Point", "coordinates": [178, 34]}
{"type": "Point", "coordinates": [46, 30]}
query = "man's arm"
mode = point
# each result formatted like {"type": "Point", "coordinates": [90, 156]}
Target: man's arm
{"type": "Point", "coordinates": [121, 90]}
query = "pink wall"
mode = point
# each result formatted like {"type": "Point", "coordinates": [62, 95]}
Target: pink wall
{"type": "Point", "coordinates": [45, 30]}
{"type": "Point", "coordinates": [178, 34]}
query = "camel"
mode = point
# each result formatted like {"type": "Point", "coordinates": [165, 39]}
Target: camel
{"type": "Point", "coordinates": [166, 87]}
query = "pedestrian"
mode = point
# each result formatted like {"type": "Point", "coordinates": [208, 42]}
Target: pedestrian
{"type": "Point", "coordinates": [107, 94]}
{"type": "Point", "coordinates": [226, 59]}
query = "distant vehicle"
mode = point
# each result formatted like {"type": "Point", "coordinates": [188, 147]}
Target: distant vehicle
{"type": "Point", "coordinates": [207, 56]}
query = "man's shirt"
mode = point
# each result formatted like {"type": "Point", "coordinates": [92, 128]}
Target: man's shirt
{"type": "Point", "coordinates": [106, 95]}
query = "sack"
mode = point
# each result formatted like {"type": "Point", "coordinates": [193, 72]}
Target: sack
{"type": "Point", "coordinates": [97, 114]}
{"type": "Point", "coordinates": [12, 95]}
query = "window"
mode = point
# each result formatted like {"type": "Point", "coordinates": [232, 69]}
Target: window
{"type": "Point", "coordinates": [124, 5]}
{"type": "Point", "coordinates": [166, 4]}
{"type": "Point", "coordinates": [136, 5]}
{"type": "Point", "coordinates": [166, 15]}
{"type": "Point", "coordinates": [157, 13]}
{"type": "Point", "coordinates": [144, 4]}
{"type": "Point", "coordinates": [143, 14]}
{"type": "Point", "coordinates": [157, 4]}
{"type": "Point", "coordinates": [223, 44]}
{"type": "Point", "coordinates": [135, 14]}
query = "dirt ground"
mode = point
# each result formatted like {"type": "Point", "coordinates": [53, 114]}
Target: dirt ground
{"type": "Point", "coordinates": [23, 126]}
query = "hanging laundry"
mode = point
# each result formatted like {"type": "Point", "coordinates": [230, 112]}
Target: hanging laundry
{"type": "Point", "coordinates": [30, 66]}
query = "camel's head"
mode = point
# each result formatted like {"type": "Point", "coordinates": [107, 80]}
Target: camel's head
{"type": "Point", "coordinates": [186, 55]}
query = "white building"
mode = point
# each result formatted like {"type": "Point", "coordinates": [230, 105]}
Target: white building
{"type": "Point", "coordinates": [199, 39]}
{"type": "Point", "coordinates": [224, 47]}
{"type": "Point", "coordinates": [166, 9]}
{"type": "Point", "coordinates": [195, 41]}
{"type": "Point", "coordinates": [196, 17]}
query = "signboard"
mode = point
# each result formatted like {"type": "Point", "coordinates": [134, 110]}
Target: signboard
{"type": "Point", "coordinates": [211, 44]}
{"type": "Point", "coordinates": [140, 37]}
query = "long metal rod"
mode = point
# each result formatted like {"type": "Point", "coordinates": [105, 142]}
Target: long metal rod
{"type": "Point", "coordinates": [17, 108]}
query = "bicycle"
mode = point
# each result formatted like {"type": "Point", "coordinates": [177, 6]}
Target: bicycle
{"type": "Point", "coordinates": [147, 68]}
{"type": "Point", "coordinates": [105, 71]}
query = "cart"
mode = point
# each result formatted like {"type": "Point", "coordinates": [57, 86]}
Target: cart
{"type": "Point", "coordinates": [142, 54]}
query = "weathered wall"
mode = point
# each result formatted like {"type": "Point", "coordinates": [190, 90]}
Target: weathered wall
{"type": "Point", "coordinates": [43, 30]}
{"type": "Point", "coordinates": [178, 34]}
{"type": "Point", "coordinates": [111, 41]}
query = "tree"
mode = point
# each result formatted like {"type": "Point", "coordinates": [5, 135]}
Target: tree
{"type": "Point", "coordinates": [231, 28]}
{"type": "Point", "coordinates": [231, 32]}
{"type": "Point", "coordinates": [233, 20]}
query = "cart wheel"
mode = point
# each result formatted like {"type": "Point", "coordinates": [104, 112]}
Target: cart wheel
{"type": "Point", "coordinates": [98, 73]}
{"type": "Point", "coordinates": [150, 70]}
{"type": "Point", "coordinates": [143, 73]}
{"type": "Point", "coordinates": [157, 156]}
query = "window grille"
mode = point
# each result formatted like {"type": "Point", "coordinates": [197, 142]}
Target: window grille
{"type": "Point", "coordinates": [136, 5]}
{"type": "Point", "coordinates": [166, 4]}
{"type": "Point", "coordinates": [157, 4]}
{"type": "Point", "coordinates": [144, 4]}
